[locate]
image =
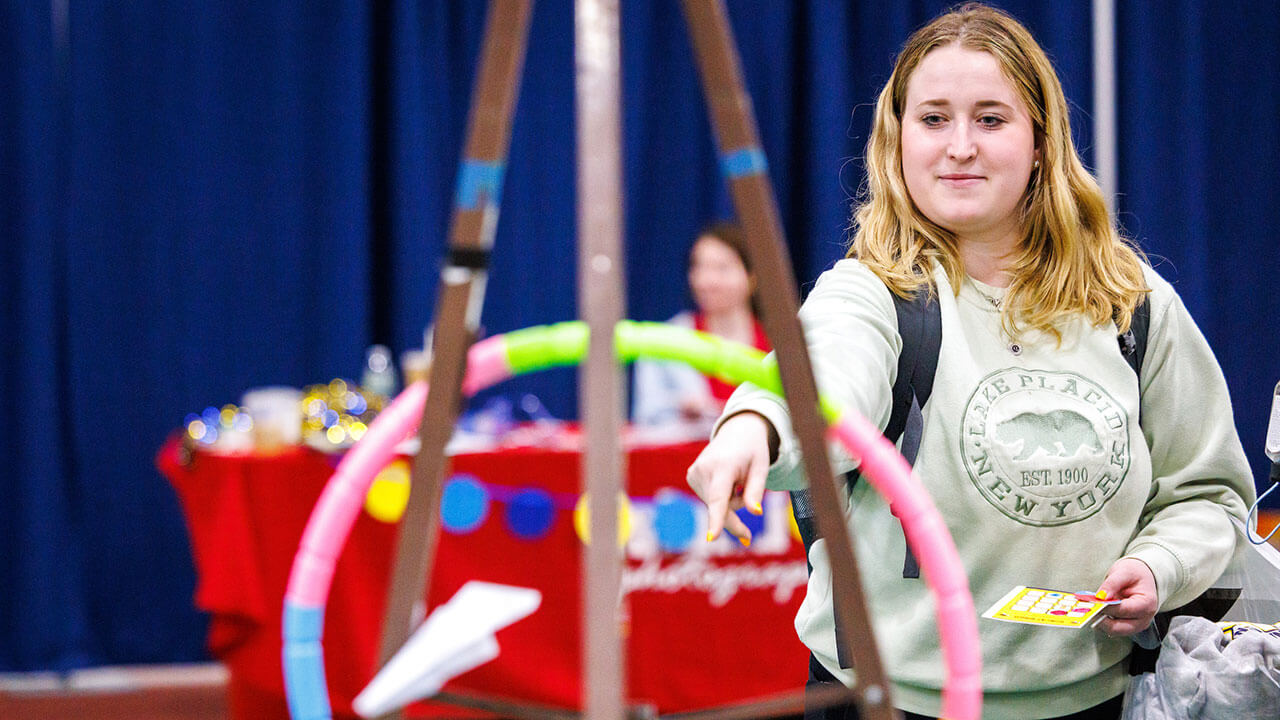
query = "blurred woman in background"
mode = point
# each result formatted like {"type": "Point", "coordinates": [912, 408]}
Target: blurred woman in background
{"type": "Point", "coordinates": [722, 284]}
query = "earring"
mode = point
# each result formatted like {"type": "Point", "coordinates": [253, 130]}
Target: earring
{"type": "Point", "coordinates": [1036, 165]}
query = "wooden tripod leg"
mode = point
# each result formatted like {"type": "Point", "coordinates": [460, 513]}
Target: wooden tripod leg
{"type": "Point", "coordinates": [457, 312]}
{"type": "Point", "coordinates": [744, 165]}
{"type": "Point", "coordinates": [601, 299]}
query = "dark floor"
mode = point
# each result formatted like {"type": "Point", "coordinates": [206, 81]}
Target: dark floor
{"type": "Point", "coordinates": [170, 692]}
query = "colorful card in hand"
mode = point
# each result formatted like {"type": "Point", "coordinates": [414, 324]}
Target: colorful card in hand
{"type": "Point", "coordinates": [1052, 608]}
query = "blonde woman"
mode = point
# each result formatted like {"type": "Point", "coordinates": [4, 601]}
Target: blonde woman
{"type": "Point", "coordinates": [1031, 447]}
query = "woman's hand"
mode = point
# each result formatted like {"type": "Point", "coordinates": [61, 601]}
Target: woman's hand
{"type": "Point", "coordinates": [729, 473]}
{"type": "Point", "coordinates": [695, 408]}
{"type": "Point", "coordinates": [1131, 582]}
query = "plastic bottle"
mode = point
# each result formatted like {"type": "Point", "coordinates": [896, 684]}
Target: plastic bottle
{"type": "Point", "coordinates": [379, 376]}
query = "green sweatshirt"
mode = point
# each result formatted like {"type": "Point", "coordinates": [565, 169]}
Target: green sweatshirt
{"type": "Point", "coordinates": [1034, 455]}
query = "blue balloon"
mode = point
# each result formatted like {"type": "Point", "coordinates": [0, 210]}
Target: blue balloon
{"type": "Point", "coordinates": [464, 505]}
{"type": "Point", "coordinates": [529, 514]}
{"type": "Point", "coordinates": [675, 522]}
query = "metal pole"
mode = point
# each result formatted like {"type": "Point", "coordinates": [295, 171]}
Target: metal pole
{"type": "Point", "coordinates": [601, 305]}
{"type": "Point", "coordinates": [1105, 161]}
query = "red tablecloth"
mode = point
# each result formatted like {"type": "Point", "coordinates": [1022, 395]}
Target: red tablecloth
{"type": "Point", "coordinates": [702, 629]}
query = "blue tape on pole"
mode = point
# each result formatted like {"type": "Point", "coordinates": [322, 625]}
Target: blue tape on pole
{"type": "Point", "coordinates": [303, 624]}
{"type": "Point", "coordinates": [746, 161]}
{"type": "Point", "coordinates": [479, 180]}
{"type": "Point", "coordinates": [304, 680]}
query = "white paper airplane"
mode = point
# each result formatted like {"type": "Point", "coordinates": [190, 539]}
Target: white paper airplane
{"type": "Point", "coordinates": [456, 638]}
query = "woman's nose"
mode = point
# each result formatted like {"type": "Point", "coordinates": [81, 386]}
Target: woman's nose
{"type": "Point", "coordinates": [960, 145]}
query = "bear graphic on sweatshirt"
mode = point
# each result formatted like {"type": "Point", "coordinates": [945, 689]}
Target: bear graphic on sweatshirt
{"type": "Point", "coordinates": [1058, 432]}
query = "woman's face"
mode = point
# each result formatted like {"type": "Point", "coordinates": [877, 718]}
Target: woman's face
{"type": "Point", "coordinates": [717, 277]}
{"type": "Point", "coordinates": [968, 144]}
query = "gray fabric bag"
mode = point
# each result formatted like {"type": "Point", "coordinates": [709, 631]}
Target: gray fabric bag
{"type": "Point", "coordinates": [1200, 675]}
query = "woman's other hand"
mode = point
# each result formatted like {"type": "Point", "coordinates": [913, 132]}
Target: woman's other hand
{"type": "Point", "coordinates": [730, 471]}
{"type": "Point", "coordinates": [1131, 582]}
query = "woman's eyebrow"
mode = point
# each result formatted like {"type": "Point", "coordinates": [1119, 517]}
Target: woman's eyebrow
{"type": "Point", "coordinates": [939, 102]}
{"type": "Point", "coordinates": [992, 103]}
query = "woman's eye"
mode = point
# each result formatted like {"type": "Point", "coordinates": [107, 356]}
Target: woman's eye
{"type": "Point", "coordinates": [932, 120]}
{"type": "Point", "coordinates": [990, 121]}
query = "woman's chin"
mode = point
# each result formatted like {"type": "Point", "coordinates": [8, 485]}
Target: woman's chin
{"type": "Point", "coordinates": [968, 224]}
{"type": "Point", "coordinates": [719, 307]}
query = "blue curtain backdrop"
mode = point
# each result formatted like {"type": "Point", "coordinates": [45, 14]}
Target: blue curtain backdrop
{"type": "Point", "coordinates": [200, 199]}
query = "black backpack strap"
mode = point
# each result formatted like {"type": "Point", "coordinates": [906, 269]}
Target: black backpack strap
{"type": "Point", "coordinates": [910, 449]}
{"type": "Point", "coordinates": [920, 326]}
{"type": "Point", "coordinates": [1133, 342]}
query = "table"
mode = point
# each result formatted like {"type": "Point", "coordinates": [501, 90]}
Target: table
{"type": "Point", "coordinates": [703, 628]}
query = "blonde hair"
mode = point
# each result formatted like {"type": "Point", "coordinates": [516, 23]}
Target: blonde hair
{"type": "Point", "coordinates": [1071, 261]}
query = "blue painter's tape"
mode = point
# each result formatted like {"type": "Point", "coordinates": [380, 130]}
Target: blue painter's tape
{"type": "Point", "coordinates": [479, 181]}
{"type": "Point", "coordinates": [745, 161]}
{"type": "Point", "coordinates": [305, 683]}
{"type": "Point", "coordinates": [303, 624]}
